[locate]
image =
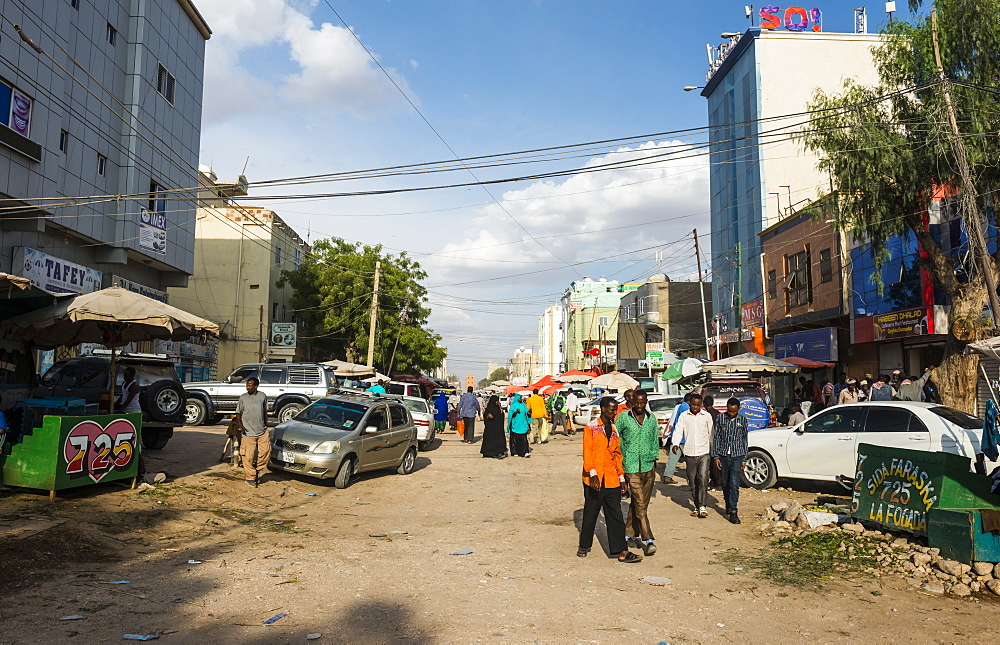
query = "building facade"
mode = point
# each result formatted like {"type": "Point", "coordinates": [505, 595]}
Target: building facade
{"type": "Point", "coordinates": [592, 322]}
{"type": "Point", "coordinates": [664, 314]}
{"type": "Point", "coordinates": [239, 258]}
{"type": "Point", "coordinates": [550, 340]}
{"type": "Point", "coordinates": [524, 367]}
{"type": "Point", "coordinates": [759, 173]}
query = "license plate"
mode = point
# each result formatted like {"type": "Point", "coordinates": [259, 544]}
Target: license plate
{"type": "Point", "coordinates": [286, 457]}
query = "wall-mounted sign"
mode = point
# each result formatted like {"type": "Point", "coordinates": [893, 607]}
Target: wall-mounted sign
{"type": "Point", "coordinates": [283, 334]}
{"type": "Point", "coordinates": [902, 324]}
{"type": "Point", "coordinates": [752, 314]}
{"type": "Point", "coordinates": [20, 113]}
{"type": "Point", "coordinates": [140, 289]}
{"type": "Point", "coordinates": [576, 304]}
{"type": "Point", "coordinates": [814, 344]}
{"type": "Point", "coordinates": [152, 231]}
{"type": "Point", "coordinates": [792, 18]}
{"type": "Point", "coordinates": [53, 274]}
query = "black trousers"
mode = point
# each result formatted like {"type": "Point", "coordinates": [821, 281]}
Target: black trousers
{"type": "Point", "coordinates": [610, 499]}
{"type": "Point", "coordinates": [470, 428]}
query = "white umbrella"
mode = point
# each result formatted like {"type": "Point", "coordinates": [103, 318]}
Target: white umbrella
{"type": "Point", "coordinates": [500, 383]}
{"type": "Point", "coordinates": [343, 368]}
{"type": "Point", "coordinates": [750, 362]}
{"type": "Point", "coordinates": [682, 369]}
{"type": "Point", "coordinates": [614, 381]}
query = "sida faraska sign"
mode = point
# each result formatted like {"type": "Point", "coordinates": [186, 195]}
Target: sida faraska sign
{"type": "Point", "coordinates": [792, 18]}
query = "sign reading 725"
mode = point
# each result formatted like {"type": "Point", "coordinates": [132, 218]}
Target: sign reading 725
{"type": "Point", "coordinates": [94, 450]}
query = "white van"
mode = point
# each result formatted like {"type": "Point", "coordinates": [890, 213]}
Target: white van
{"type": "Point", "coordinates": [404, 389]}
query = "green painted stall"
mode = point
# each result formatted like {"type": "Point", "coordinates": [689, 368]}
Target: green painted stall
{"type": "Point", "coordinates": [72, 451]}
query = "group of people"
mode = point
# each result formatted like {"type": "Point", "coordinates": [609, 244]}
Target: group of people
{"type": "Point", "coordinates": [811, 398]}
{"type": "Point", "coordinates": [620, 451]}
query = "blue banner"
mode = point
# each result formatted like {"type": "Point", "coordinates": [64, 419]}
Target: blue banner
{"type": "Point", "coordinates": [814, 344]}
{"type": "Point", "coordinates": [756, 411]}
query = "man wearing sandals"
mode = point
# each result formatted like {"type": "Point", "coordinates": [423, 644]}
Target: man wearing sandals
{"type": "Point", "coordinates": [694, 430]}
{"type": "Point", "coordinates": [604, 484]}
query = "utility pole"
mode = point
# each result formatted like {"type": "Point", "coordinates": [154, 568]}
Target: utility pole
{"type": "Point", "coordinates": [701, 285]}
{"type": "Point", "coordinates": [970, 208]}
{"type": "Point", "coordinates": [371, 324]}
{"type": "Point", "coordinates": [402, 319]}
{"type": "Point", "coordinates": [260, 336]}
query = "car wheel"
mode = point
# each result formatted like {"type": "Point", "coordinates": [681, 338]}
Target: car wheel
{"type": "Point", "coordinates": [409, 461]}
{"type": "Point", "coordinates": [288, 411]}
{"type": "Point", "coordinates": [194, 412]}
{"type": "Point", "coordinates": [422, 445]}
{"type": "Point", "coordinates": [214, 420]}
{"type": "Point", "coordinates": [760, 471]}
{"type": "Point", "coordinates": [163, 400]}
{"type": "Point", "coordinates": [343, 479]}
{"type": "Point", "coordinates": [154, 439]}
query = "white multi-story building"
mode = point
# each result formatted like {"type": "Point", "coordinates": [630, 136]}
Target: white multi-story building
{"type": "Point", "coordinates": [550, 341]}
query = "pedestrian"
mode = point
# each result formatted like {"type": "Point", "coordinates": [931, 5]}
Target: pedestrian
{"type": "Point", "coordinates": [912, 389]}
{"type": "Point", "coordinates": [539, 424]}
{"type": "Point", "coordinates": [128, 401]}
{"type": "Point", "coordinates": [819, 401]}
{"type": "Point", "coordinates": [440, 412]}
{"type": "Point", "coordinates": [494, 442]}
{"type": "Point", "coordinates": [729, 450]}
{"type": "Point", "coordinates": [627, 403]}
{"type": "Point", "coordinates": [850, 395]}
{"type": "Point", "coordinates": [558, 405]}
{"type": "Point", "coordinates": [839, 387]}
{"type": "Point", "coordinates": [251, 418]}
{"type": "Point", "coordinates": [639, 432]}
{"type": "Point", "coordinates": [694, 429]}
{"type": "Point", "coordinates": [714, 474]}
{"type": "Point", "coordinates": [604, 484]}
{"type": "Point", "coordinates": [796, 417]}
{"type": "Point", "coordinates": [453, 400]}
{"type": "Point", "coordinates": [572, 408]}
{"type": "Point", "coordinates": [863, 390]}
{"type": "Point", "coordinates": [518, 425]}
{"type": "Point", "coordinates": [805, 395]}
{"type": "Point", "coordinates": [378, 388]}
{"type": "Point", "coordinates": [880, 389]}
{"type": "Point", "coordinates": [673, 456]}
{"type": "Point", "coordinates": [468, 408]}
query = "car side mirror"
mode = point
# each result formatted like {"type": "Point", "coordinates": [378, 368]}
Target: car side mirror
{"type": "Point", "coordinates": [371, 430]}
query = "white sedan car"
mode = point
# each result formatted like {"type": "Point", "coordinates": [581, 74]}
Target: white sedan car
{"type": "Point", "coordinates": [825, 445]}
{"type": "Point", "coordinates": [423, 417]}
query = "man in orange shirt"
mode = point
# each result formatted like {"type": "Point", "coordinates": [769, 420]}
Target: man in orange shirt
{"type": "Point", "coordinates": [604, 484]}
{"type": "Point", "coordinates": [539, 418]}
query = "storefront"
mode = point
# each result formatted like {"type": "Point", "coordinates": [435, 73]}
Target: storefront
{"type": "Point", "coordinates": [903, 340]}
{"type": "Point", "coordinates": [819, 345]}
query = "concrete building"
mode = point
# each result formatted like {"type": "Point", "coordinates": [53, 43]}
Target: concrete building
{"type": "Point", "coordinates": [592, 322]}
{"type": "Point", "coordinates": [759, 174]}
{"type": "Point", "coordinates": [661, 312]}
{"type": "Point", "coordinates": [239, 258]}
{"type": "Point", "coordinates": [550, 341]}
{"type": "Point", "coordinates": [524, 367]}
{"type": "Point", "coordinates": [134, 129]}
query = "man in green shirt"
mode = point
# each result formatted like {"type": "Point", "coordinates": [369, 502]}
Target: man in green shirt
{"type": "Point", "coordinates": [640, 441]}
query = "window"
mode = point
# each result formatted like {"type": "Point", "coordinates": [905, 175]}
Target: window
{"type": "Point", "coordinates": [399, 416]}
{"type": "Point", "coordinates": [272, 375]}
{"type": "Point", "coordinates": [102, 165]}
{"type": "Point", "coordinates": [63, 141]}
{"type": "Point", "coordinates": [798, 287]}
{"type": "Point", "coordinates": [75, 4]}
{"type": "Point", "coordinates": [836, 420]}
{"type": "Point", "coordinates": [298, 258]}
{"type": "Point", "coordinates": [157, 198]}
{"type": "Point", "coordinates": [112, 35]}
{"type": "Point", "coordinates": [277, 255]}
{"type": "Point", "coordinates": [274, 311]}
{"type": "Point", "coordinates": [376, 419]}
{"type": "Point", "coordinates": [242, 374]}
{"type": "Point", "coordinates": [772, 284]}
{"type": "Point", "coordinates": [603, 321]}
{"type": "Point", "coordinates": [886, 419]}
{"type": "Point", "coordinates": [825, 266]}
{"type": "Point", "coordinates": [164, 82]}
{"type": "Point", "coordinates": [15, 109]}
{"type": "Point", "coordinates": [255, 286]}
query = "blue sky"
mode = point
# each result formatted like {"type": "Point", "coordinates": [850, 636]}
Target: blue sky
{"type": "Point", "coordinates": [289, 87]}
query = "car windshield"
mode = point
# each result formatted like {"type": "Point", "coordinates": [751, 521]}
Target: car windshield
{"type": "Point", "coordinates": [395, 388]}
{"type": "Point", "coordinates": [661, 405]}
{"type": "Point", "coordinates": [333, 413]}
{"type": "Point", "coordinates": [415, 406]}
{"type": "Point", "coordinates": [959, 418]}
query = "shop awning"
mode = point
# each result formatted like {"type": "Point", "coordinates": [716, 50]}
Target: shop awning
{"type": "Point", "coordinates": [18, 296]}
{"type": "Point", "coordinates": [807, 363]}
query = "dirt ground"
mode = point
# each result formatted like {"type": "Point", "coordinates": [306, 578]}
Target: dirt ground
{"type": "Point", "coordinates": [303, 548]}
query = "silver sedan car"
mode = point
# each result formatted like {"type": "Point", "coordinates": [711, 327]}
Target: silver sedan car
{"type": "Point", "coordinates": [341, 435]}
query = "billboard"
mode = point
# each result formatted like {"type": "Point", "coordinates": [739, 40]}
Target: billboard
{"type": "Point", "coordinates": [903, 324]}
{"type": "Point", "coordinates": [283, 334]}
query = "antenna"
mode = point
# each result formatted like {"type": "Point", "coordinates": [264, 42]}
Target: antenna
{"type": "Point", "coordinates": [860, 21]}
{"type": "Point", "coordinates": [748, 9]}
{"type": "Point", "coordinates": [245, 163]}
{"type": "Point", "coordinates": [890, 7]}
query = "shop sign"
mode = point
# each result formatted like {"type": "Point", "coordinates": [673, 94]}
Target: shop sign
{"type": "Point", "coordinates": [283, 334]}
{"type": "Point", "coordinates": [55, 275]}
{"type": "Point", "coordinates": [140, 289]}
{"type": "Point", "coordinates": [752, 314]}
{"type": "Point", "coordinates": [814, 344]}
{"type": "Point", "coordinates": [903, 324]}
{"type": "Point", "coordinates": [93, 450]}
{"type": "Point", "coordinates": [893, 490]}
{"type": "Point", "coordinates": [793, 18]}
{"type": "Point", "coordinates": [152, 231]}
{"type": "Point", "coordinates": [193, 350]}
{"type": "Point", "coordinates": [575, 304]}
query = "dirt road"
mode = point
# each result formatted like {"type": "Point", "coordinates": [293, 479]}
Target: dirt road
{"type": "Point", "coordinates": [302, 548]}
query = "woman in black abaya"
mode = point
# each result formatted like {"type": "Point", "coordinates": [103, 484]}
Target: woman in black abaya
{"type": "Point", "coordinates": [494, 442]}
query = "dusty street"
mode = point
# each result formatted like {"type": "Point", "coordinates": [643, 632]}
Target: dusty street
{"type": "Point", "coordinates": [303, 548]}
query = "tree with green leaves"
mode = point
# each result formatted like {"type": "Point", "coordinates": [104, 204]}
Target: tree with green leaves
{"type": "Point", "coordinates": [889, 147]}
{"type": "Point", "coordinates": [499, 374]}
{"type": "Point", "coordinates": [332, 292]}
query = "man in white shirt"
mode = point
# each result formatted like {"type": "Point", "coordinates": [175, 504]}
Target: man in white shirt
{"type": "Point", "coordinates": [572, 406]}
{"type": "Point", "coordinates": [694, 430]}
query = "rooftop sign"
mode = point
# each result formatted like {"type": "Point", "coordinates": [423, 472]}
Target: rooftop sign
{"type": "Point", "coordinates": [793, 18]}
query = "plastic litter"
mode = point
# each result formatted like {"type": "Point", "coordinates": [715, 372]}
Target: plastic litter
{"type": "Point", "coordinates": [737, 568]}
{"type": "Point", "coordinates": [144, 486]}
{"type": "Point", "coordinates": [656, 581]}
{"type": "Point", "coordinates": [277, 523]}
{"type": "Point", "coordinates": [312, 637]}
{"type": "Point", "coordinates": [73, 617]}
{"type": "Point", "coordinates": [311, 495]}
{"type": "Point", "coordinates": [378, 535]}
{"type": "Point", "coordinates": [140, 637]}
{"type": "Point", "coordinates": [194, 561]}
{"type": "Point", "coordinates": [362, 503]}
{"type": "Point", "coordinates": [120, 582]}
{"type": "Point", "coordinates": [400, 532]}
{"type": "Point", "coordinates": [720, 624]}
{"type": "Point", "coordinates": [817, 519]}
{"type": "Point", "coordinates": [462, 552]}
{"type": "Point", "coordinates": [273, 619]}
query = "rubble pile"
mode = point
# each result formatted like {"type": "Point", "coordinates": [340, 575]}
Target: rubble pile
{"type": "Point", "coordinates": [903, 555]}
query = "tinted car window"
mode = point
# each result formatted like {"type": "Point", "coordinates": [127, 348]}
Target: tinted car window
{"type": "Point", "coordinates": [837, 419]}
{"type": "Point", "coordinates": [95, 374]}
{"type": "Point", "coordinates": [415, 406]}
{"type": "Point", "coordinates": [242, 374]}
{"type": "Point", "coordinates": [146, 374]}
{"type": "Point", "coordinates": [377, 419]}
{"type": "Point", "coordinates": [399, 416]}
{"type": "Point", "coordinates": [272, 375]}
{"type": "Point", "coordinates": [68, 374]}
{"type": "Point", "coordinates": [886, 419]}
{"type": "Point", "coordinates": [959, 418]}
{"type": "Point", "coordinates": [330, 412]}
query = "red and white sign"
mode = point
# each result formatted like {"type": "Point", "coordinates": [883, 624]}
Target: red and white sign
{"type": "Point", "coordinates": [93, 450]}
{"type": "Point", "coordinates": [753, 314]}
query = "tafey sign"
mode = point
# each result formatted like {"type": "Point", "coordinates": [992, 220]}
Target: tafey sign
{"type": "Point", "coordinates": [54, 274]}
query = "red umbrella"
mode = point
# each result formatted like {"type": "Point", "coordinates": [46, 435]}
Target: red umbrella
{"type": "Point", "coordinates": [545, 381]}
{"type": "Point", "coordinates": [807, 363]}
{"type": "Point", "coordinates": [512, 389]}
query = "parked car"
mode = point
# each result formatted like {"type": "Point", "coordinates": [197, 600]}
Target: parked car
{"type": "Point", "coordinates": [423, 417]}
{"type": "Point", "coordinates": [289, 387]}
{"type": "Point", "coordinates": [403, 388]}
{"type": "Point", "coordinates": [662, 406]}
{"type": "Point", "coordinates": [756, 402]}
{"type": "Point", "coordinates": [589, 411]}
{"type": "Point", "coordinates": [825, 445]}
{"type": "Point", "coordinates": [344, 434]}
{"type": "Point", "coordinates": [161, 394]}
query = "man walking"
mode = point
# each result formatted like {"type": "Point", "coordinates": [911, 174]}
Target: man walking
{"type": "Point", "coordinates": [538, 412]}
{"type": "Point", "coordinates": [729, 452]}
{"type": "Point", "coordinates": [468, 408]}
{"type": "Point", "coordinates": [251, 418]}
{"type": "Point", "coordinates": [572, 408]}
{"type": "Point", "coordinates": [558, 405]}
{"type": "Point", "coordinates": [694, 430]}
{"type": "Point", "coordinates": [639, 432]}
{"type": "Point", "coordinates": [673, 456]}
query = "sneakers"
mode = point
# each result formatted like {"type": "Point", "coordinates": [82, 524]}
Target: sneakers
{"type": "Point", "coordinates": [669, 480]}
{"type": "Point", "coordinates": [649, 548]}
{"type": "Point", "coordinates": [251, 483]}
{"type": "Point", "coordinates": [734, 518]}
{"type": "Point", "coordinates": [702, 512]}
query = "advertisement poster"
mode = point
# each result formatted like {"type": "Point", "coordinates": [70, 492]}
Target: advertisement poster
{"type": "Point", "coordinates": [283, 334]}
{"type": "Point", "coordinates": [814, 344]}
{"type": "Point", "coordinates": [903, 324]}
{"type": "Point", "coordinates": [20, 113]}
{"type": "Point", "coordinates": [53, 274]}
{"type": "Point", "coordinates": [752, 314]}
{"type": "Point", "coordinates": [152, 231]}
